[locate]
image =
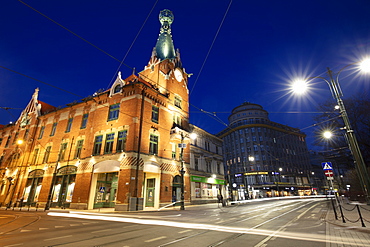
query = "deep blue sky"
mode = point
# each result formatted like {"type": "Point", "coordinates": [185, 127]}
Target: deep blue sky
{"type": "Point", "coordinates": [260, 45]}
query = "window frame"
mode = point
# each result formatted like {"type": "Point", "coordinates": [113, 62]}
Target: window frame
{"type": "Point", "coordinates": [113, 113]}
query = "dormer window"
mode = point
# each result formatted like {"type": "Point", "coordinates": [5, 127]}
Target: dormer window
{"type": "Point", "coordinates": [117, 89]}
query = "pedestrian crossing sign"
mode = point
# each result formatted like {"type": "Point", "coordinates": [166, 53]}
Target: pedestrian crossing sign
{"type": "Point", "coordinates": [327, 166]}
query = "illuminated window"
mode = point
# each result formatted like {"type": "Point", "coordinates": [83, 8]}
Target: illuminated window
{"type": "Point", "coordinates": [34, 158]}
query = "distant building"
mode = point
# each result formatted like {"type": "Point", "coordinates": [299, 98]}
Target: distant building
{"type": "Point", "coordinates": [264, 158]}
{"type": "Point", "coordinates": [118, 148]}
{"type": "Point", "coordinates": [207, 175]}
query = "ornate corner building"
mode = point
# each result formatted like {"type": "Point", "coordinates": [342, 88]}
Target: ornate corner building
{"type": "Point", "coordinates": [118, 148]}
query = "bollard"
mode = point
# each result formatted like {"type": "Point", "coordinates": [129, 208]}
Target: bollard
{"type": "Point", "coordinates": [335, 211]}
{"type": "Point", "coordinates": [359, 213]}
{"type": "Point", "coordinates": [341, 213]}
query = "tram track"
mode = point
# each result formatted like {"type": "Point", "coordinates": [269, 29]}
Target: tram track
{"type": "Point", "coordinates": [17, 222]}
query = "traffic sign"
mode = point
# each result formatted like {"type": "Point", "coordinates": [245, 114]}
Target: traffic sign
{"type": "Point", "coordinates": [327, 166]}
{"type": "Point", "coordinates": [329, 173]}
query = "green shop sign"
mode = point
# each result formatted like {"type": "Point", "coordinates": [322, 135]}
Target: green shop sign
{"type": "Point", "coordinates": [207, 180]}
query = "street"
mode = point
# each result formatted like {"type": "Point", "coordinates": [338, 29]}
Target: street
{"type": "Point", "coordinates": [297, 222]}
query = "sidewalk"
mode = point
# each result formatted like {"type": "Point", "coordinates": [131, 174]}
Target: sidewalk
{"type": "Point", "coordinates": [345, 224]}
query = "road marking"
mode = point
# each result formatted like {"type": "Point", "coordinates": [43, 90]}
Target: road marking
{"type": "Point", "coordinates": [25, 230]}
{"type": "Point", "coordinates": [58, 226]}
{"type": "Point", "coordinates": [185, 231]}
{"type": "Point", "coordinates": [154, 239]}
{"type": "Point", "coordinates": [43, 228]}
{"type": "Point", "coordinates": [49, 239]}
{"type": "Point", "coordinates": [102, 231]}
{"type": "Point", "coordinates": [13, 245]}
{"type": "Point", "coordinates": [74, 224]}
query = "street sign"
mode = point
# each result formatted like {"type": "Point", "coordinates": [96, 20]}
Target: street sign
{"type": "Point", "coordinates": [329, 173]}
{"type": "Point", "coordinates": [327, 166]}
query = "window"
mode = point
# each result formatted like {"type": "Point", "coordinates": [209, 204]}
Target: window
{"type": "Point", "coordinates": [177, 102]}
{"type": "Point", "coordinates": [26, 134]}
{"type": "Point", "coordinates": [173, 150]}
{"type": "Point", "coordinates": [69, 125]}
{"type": "Point", "coordinates": [155, 114]}
{"type": "Point", "coordinates": [53, 129]}
{"type": "Point", "coordinates": [62, 152]}
{"type": "Point", "coordinates": [35, 154]}
{"type": "Point", "coordinates": [177, 119]}
{"type": "Point", "coordinates": [46, 155]}
{"type": "Point", "coordinates": [109, 140]}
{"type": "Point", "coordinates": [121, 141]}
{"type": "Point", "coordinates": [97, 144]}
{"type": "Point", "coordinates": [196, 164]}
{"type": "Point", "coordinates": [117, 89]}
{"type": "Point", "coordinates": [84, 121]}
{"type": "Point", "coordinates": [1, 141]}
{"type": "Point", "coordinates": [153, 145]}
{"type": "Point", "coordinates": [78, 151]}
{"type": "Point", "coordinates": [113, 112]}
{"type": "Point", "coordinates": [208, 166]}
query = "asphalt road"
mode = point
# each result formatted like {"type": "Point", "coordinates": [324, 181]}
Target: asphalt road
{"type": "Point", "coordinates": [285, 223]}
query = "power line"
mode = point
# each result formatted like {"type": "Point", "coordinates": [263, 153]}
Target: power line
{"type": "Point", "coordinates": [210, 48]}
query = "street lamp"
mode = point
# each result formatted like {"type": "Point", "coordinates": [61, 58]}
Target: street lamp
{"type": "Point", "coordinates": [182, 145]}
{"type": "Point", "coordinates": [333, 83]}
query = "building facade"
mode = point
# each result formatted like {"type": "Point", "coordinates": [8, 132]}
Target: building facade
{"type": "Point", "coordinates": [263, 158]}
{"type": "Point", "coordinates": [117, 148]}
{"type": "Point", "coordinates": [207, 176]}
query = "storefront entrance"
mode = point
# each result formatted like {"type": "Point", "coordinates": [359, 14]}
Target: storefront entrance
{"type": "Point", "coordinates": [64, 187]}
{"type": "Point", "coordinates": [176, 190]}
{"type": "Point", "coordinates": [33, 187]}
{"type": "Point", "coordinates": [106, 190]}
{"type": "Point", "coordinates": [150, 189]}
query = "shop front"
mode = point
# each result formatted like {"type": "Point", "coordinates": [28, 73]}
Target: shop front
{"type": "Point", "coordinates": [206, 189]}
{"type": "Point", "coordinates": [33, 187]}
{"type": "Point", "coordinates": [64, 186]}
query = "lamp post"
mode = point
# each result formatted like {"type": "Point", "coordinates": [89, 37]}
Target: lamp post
{"type": "Point", "coordinates": [333, 83]}
{"type": "Point", "coordinates": [182, 172]}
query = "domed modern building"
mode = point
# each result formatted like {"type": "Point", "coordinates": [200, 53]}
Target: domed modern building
{"type": "Point", "coordinates": [264, 158]}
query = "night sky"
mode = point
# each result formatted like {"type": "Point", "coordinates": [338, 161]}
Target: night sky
{"type": "Point", "coordinates": [251, 57]}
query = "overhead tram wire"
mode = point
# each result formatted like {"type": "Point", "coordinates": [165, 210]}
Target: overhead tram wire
{"type": "Point", "coordinates": [78, 36]}
{"type": "Point", "coordinates": [133, 42]}
{"type": "Point", "coordinates": [210, 48]}
{"type": "Point", "coordinates": [121, 62]}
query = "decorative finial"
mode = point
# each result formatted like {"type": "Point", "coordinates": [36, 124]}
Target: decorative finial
{"type": "Point", "coordinates": [166, 18]}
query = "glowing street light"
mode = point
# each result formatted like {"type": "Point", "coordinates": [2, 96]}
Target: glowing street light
{"type": "Point", "coordinates": [333, 82]}
{"type": "Point", "coordinates": [327, 134]}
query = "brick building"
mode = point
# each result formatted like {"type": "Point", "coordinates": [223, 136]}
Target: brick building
{"type": "Point", "coordinates": [112, 149]}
